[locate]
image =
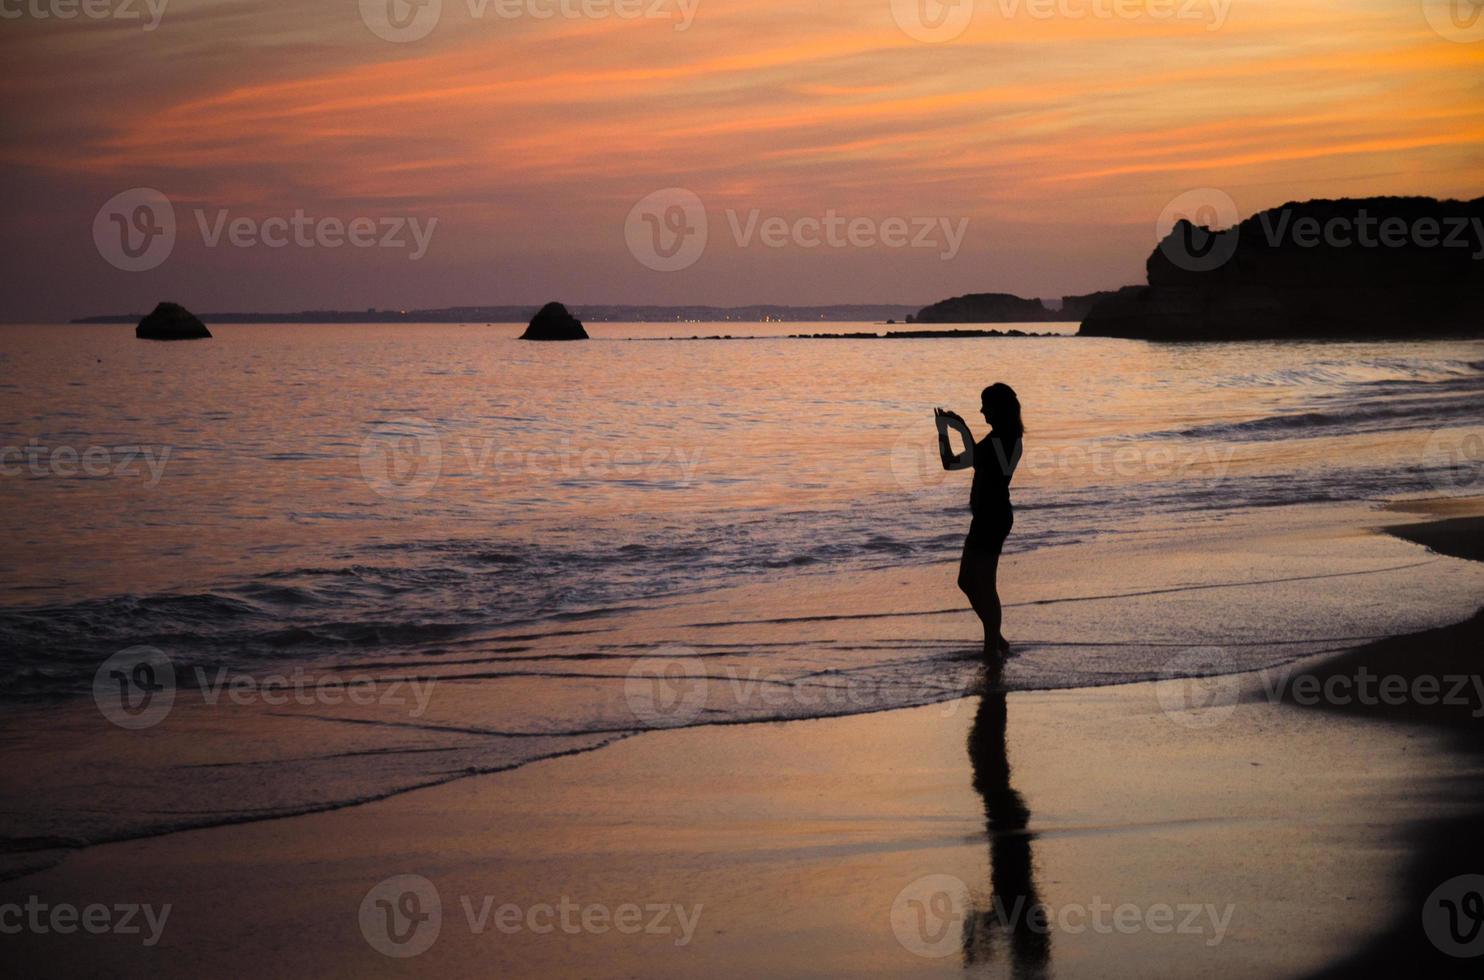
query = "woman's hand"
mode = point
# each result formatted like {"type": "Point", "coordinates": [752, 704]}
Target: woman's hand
{"type": "Point", "coordinates": [951, 420]}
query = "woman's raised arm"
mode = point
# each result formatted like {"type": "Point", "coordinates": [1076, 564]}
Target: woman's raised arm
{"type": "Point", "coordinates": [951, 420]}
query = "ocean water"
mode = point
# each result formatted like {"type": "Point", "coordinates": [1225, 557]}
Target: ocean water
{"type": "Point", "coordinates": [525, 529]}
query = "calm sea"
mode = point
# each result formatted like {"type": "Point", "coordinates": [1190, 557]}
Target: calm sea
{"type": "Point", "coordinates": [291, 491]}
{"type": "Point", "coordinates": [528, 520]}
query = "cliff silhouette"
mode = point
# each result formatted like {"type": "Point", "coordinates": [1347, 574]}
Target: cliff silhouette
{"type": "Point", "coordinates": [1350, 268]}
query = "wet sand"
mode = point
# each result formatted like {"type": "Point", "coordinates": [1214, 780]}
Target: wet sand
{"type": "Point", "coordinates": [796, 841]}
{"type": "Point", "coordinates": [1450, 841]}
{"type": "Point", "coordinates": [1180, 828]}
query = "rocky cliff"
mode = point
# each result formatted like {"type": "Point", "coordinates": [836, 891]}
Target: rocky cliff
{"type": "Point", "coordinates": [1373, 267]}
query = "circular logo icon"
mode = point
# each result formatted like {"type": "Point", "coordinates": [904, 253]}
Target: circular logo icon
{"type": "Point", "coordinates": [135, 688]}
{"type": "Point", "coordinates": [402, 458]}
{"type": "Point", "coordinates": [915, 462]}
{"type": "Point", "coordinates": [135, 230]}
{"type": "Point", "coordinates": [401, 916]}
{"type": "Point", "coordinates": [1456, 20]}
{"type": "Point", "coordinates": [1197, 688]}
{"type": "Point", "coordinates": [928, 915]}
{"type": "Point", "coordinates": [1191, 231]}
{"type": "Point", "coordinates": [401, 20]}
{"type": "Point", "coordinates": [1453, 460]}
{"type": "Point", "coordinates": [932, 21]}
{"type": "Point", "coordinates": [1453, 916]}
{"type": "Point", "coordinates": [667, 690]}
{"type": "Point", "coordinates": [666, 231]}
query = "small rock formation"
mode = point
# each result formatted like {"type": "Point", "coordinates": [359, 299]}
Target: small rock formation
{"type": "Point", "coordinates": [553, 322]}
{"type": "Point", "coordinates": [1324, 269]}
{"type": "Point", "coordinates": [985, 308]}
{"type": "Point", "coordinates": [171, 321]}
{"type": "Point", "coordinates": [1074, 309]}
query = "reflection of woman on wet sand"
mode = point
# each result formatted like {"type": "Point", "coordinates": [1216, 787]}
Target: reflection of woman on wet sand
{"type": "Point", "coordinates": [1012, 901]}
{"type": "Point", "coordinates": [993, 460]}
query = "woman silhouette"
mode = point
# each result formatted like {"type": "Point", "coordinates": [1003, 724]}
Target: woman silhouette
{"type": "Point", "coordinates": [993, 460]}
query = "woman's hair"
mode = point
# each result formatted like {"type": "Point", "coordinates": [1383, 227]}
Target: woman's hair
{"type": "Point", "coordinates": [1004, 409]}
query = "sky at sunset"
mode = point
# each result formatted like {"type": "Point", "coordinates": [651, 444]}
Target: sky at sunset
{"type": "Point", "coordinates": [1053, 134]}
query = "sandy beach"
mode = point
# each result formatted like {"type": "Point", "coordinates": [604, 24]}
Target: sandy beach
{"type": "Point", "coordinates": [1175, 828]}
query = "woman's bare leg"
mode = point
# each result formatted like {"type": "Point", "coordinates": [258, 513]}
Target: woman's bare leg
{"type": "Point", "coordinates": [976, 578]}
{"type": "Point", "coordinates": [996, 610]}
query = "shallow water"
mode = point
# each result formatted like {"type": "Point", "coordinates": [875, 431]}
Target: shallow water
{"type": "Point", "coordinates": [534, 523]}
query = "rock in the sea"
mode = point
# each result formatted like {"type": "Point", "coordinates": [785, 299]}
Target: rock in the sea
{"type": "Point", "coordinates": [171, 321]}
{"type": "Point", "coordinates": [984, 308]}
{"type": "Point", "coordinates": [553, 322]}
{"type": "Point", "coordinates": [1374, 267]}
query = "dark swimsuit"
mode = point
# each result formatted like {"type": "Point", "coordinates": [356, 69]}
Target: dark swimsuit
{"type": "Point", "coordinates": [990, 498]}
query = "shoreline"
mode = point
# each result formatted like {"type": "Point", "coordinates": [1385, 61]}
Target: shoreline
{"type": "Point", "coordinates": [1441, 847]}
{"type": "Point", "coordinates": [573, 804]}
{"type": "Point", "coordinates": [203, 734]}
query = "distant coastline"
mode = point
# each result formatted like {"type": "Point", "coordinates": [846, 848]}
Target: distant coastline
{"type": "Point", "coordinates": [600, 313]}
{"type": "Point", "coordinates": [971, 309]}
{"type": "Point", "coordinates": [868, 335]}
